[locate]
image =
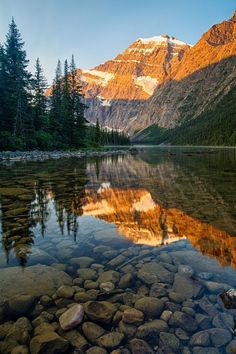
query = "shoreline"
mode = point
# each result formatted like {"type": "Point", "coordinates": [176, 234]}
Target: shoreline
{"type": "Point", "coordinates": [38, 155]}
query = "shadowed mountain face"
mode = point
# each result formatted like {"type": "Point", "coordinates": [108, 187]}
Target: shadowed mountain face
{"type": "Point", "coordinates": [204, 77]}
{"type": "Point", "coordinates": [162, 81]}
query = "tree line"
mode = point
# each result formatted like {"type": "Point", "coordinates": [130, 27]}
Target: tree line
{"type": "Point", "coordinates": [29, 119]}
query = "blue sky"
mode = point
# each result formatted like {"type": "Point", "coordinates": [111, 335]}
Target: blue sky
{"type": "Point", "coordinates": [97, 30]}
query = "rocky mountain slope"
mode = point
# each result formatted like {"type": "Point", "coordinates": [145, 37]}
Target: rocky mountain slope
{"type": "Point", "coordinates": [115, 90]}
{"type": "Point", "coordinates": [162, 81]}
{"type": "Point", "coordinates": [206, 74]}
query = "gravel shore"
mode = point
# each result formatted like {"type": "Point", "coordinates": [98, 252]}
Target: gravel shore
{"type": "Point", "coordinates": [37, 155]}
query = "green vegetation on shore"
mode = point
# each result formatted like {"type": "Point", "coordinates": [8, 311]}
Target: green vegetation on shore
{"type": "Point", "coordinates": [214, 127]}
{"type": "Point", "coordinates": [29, 119]}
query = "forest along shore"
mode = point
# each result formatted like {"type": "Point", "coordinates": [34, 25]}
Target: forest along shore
{"type": "Point", "coordinates": [38, 155]}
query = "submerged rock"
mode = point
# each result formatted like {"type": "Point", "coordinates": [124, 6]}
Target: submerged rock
{"type": "Point", "coordinates": [150, 306]}
{"type": "Point", "coordinates": [150, 331]}
{"type": "Point", "coordinates": [133, 316]}
{"type": "Point", "coordinates": [111, 340]}
{"type": "Point", "coordinates": [21, 304]}
{"type": "Point", "coordinates": [229, 298]}
{"type": "Point", "coordinates": [76, 340]}
{"type": "Point", "coordinates": [82, 262]}
{"type": "Point", "coordinates": [101, 311]}
{"type": "Point", "coordinates": [34, 280]}
{"type": "Point", "coordinates": [187, 287]}
{"type": "Point", "coordinates": [139, 346]}
{"type": "Point", "coordinates": [48, 342]}
{"type": "Point", "coordinates": [92, 331]}
{"type": "Point", "coordinates": [169, 341]}
{"type": "Point", "coordinates": [72, 317]}
{"type": "Point", "coordinates": [184, 321]}
{"type": "Point", "coordinates": [153, 272]}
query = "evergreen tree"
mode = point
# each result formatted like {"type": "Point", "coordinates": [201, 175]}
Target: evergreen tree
{"type": "Point", "coordinates": [78, 107]}
{"type": "Point", "coordinates": [56, 118]}
{"type": "Point", "coordinates": [18, 81]}
{"type": "Point", "coordinates": [97, 136]}
{"type": "Point", "coordinates": [67, 107]}
{"type": "Point", "coordinates": [3, 90]}
{"type": "Point", "coordinates": [39, 98]}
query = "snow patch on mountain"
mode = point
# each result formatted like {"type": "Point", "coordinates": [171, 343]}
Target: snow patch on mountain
{"type": "Point", "coordinates": [163, 39]}
{"type": "Point", "coordinates": [104, 102]}
{"type": "Point", "coordinates": [96, 76]}
{"type": "Point", "coordinates": [148, 83]}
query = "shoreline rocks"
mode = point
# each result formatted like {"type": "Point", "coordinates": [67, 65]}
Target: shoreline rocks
{"type": "Point", "coordinates": [37, 155]}
{"type": "Point", "coordinates": [151, 304]}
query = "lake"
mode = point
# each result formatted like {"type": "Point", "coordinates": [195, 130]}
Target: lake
{"type": "Point", "coordinates": [145, 242]}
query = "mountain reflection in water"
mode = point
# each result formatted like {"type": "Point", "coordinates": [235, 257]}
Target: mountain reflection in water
{"type": "Point", "coordinates": [143, 221]}
{"type": "Point", "coordinates": [153, 198]}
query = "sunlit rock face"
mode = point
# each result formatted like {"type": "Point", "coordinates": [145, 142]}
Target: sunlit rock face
{"type": "Point", "coordinates": [116, 89]}
{"type": "Point", "coordinates": [143, 221]}
{"type": "Point", "coordinates": [136, 72]}
{"type": "Point", "coordinates": [161, 80]}
{"type": "Point", "coordinates": [204, 76]}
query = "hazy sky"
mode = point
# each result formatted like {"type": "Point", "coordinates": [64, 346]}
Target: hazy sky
{"type": "Point", "coordinates": [97, 30]}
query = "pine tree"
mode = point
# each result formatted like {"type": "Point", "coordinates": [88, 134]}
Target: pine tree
{"type": "Point", "coordinates": [97, 136]}
{"type": "Point", "coordinates": [39, 98]}
{"type": "Point", "coordinates": [78, 107]}
{"type": "Point", "coordinates": [3, 90]}
{"type": "Point", "coordinates": [56, 119]}
{"type": "Point", "coordinates": [67, 107]}
{"type": "Point", "coordinates": [18, 81]}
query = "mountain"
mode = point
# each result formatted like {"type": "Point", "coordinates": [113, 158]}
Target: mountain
{"type": "Point", "coordinates": [204, 84]}
{"type": "Point", "coordinates": [167, 90]}
{"type": "Point", "coordinates": [115, 90]}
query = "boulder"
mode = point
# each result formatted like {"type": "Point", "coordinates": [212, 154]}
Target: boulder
{"type": "Point", "coordinates": [231, 347]}
{"type": "Point", "coordinates": [87, 274]}
{"type": "Point", "coordinates": [201, 339]}
{"type": "Point", "coordinates": [150, 331]}
{"type": "Point", "coordinates": [219, 336]}
{"type": "Point", "coordinates": [152, 272]}
{"type": "Point", "coordinates": [109, 276]}
{"type": "Point", "coordinates": [139, 346]}
{"type": "Point", "coordinates": [129, 330]}
{"type": "Point", "coordinates": [72, 317]}
{"type": "Point", "coordinates": [184, 321]}
{"type": "Point", "coordinates": [96, 350]}
{"type": "Point", "coordinates": [76, 340]}
{"type": "Point", "coordinates": [100, 311]}
{"type": "Point", "coordinates": [18, 334]}
{"type": "Point", "coordinates": [20, 305]}
{"type": "Point", "coordinates": [111, 340]}
{"type": "Point", "coordinates": [34, 280]}
{"type": "Point", "coordinates": [92, 331]}
{"type": "Point", "coordinates": [187, 287]}
{"type": "Point", "coordinates": [48, 342]}
{"type": "Point", "coordinates": [224, 320]}
{"type": "Point", "coordinates": [229, 298]}
{"type": "Point", "coordinates": [133, 316]}
{"type": "Point", "coordinates": [126, 281]}
{"type": "Point", "coordinates": [82, 262]}
{"type": "Point", "coordinates": [150, 306]}
{"type": "Point", "coordinates": [169, 341]}
{"type": "Point", "coordinates": [66, 292]}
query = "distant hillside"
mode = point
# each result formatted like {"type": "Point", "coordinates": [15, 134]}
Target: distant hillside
{"type": "Point", "coordinates": [213, 127]}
